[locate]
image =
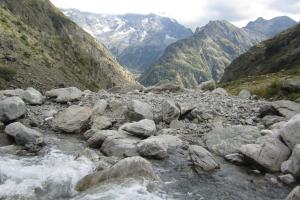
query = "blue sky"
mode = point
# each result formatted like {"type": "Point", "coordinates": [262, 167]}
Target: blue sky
{"type": "Point", "coordinates": [192, 13]}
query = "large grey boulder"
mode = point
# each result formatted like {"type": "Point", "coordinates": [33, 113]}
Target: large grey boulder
{"type": "Point", "coordinates": [244, 94]}
{"type": "Point", "coordinates": [290, 132]}
{"type": "Point", "coordinates": [73, 119]}
{"type": "Point", "coordinates": [286, 108]}
{"type": "Point", "coordinates": [292, 165]}
{"type": "Point", "coordinates": [101, 123]}
{"type": "Point", "coordinates": [202, 159]}
{"type": "Point", "coordinates": [268, 152]}
{"type": "Point", "coordinates": [32, 96]}
{"type": "Point", "coordinates": [224, 141]}
{"type": "Point", "coordinates": [134, 167]}
{"type": "Point", "coordinates": [208, 85]}
{"type": "Point", "coordinates": [97, 139]}
{"type": "Point", "coordinates": [100, 107]}
{"type": "Point", "coordinates": [172, 141]}
{"type": "Point", "coordinates": [63, 95]}
{"type": "Point", "coordinates": [138, 110]}
{"type": "Point", "coordinates": [295, 194]}
{"type": "Point", "coordinates": [144, 128]}
{"type": "Point", "coordinates": [153, 147]}
{"type": "Point", "coordinates": [170, 111]}
{"type": "Point", "coordinates": [23, 135]}
{"type": "Point", "coordinates": [11, 108]}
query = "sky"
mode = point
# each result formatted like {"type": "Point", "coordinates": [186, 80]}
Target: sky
{"type": "Point", "coordinates": [192, 13]}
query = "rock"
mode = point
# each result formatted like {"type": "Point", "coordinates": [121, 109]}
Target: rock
{"type": "Point", "coordinates": [126, 89]}
{"type": "Point", "coordinates": [138, 110]}
{"type": "Point", "coordinates": [170, 111]}
{"type": "Point", "coordinates": [292, 165]}
{"type": "Point", "coordinates": [134, 167]}
{"type": "Point", "coordinates": [202, 114]}
{"type": "Point", "coordinates": [144, 128]}
{"type": "Point", "coordinates": [177, 125]}
{"type": "Point", "coordinates": [97, 139]}
{"type": "Point", "coordinates": [202, 159]}
{"type": "Point", "coordinates": [24, 136]}
{"type": "Point", "coordinates": [287, 179]}
{"type": "Point", "coordinates": [185, 108]}
{"type": "Point", "coordinates": [244, 94]}
{"type": "Point", "coordinates": [164, 87]}
{"type": "Point", "coordinates": [235, 158]}
{"type": "Point", "coordinates": [11, 108]}
{"type": "Point", "coordinates": [32, 96]}
{"type": "Point", "coordinates": [73, 119]}
{"type": "Point", "coordinates": [101, 123]}
{"type": "Point", "coordinates": [89, 133]}
{"type": "Point", "coordinates": [269, 120]}
{"type": "Point", "coordinates": [220, 91]}
{"type": "Point", "coordinates": [290, 132]}
{"type": "Point", "coordinates": [120, 146]}
{"type": "Point", "coordinates": [266, 132]}
{"type": "Point", "coordinates": [295, 194]}
{"type": "Point", "coordinates": [208, 85]}
{"type": "Point", "coordinates": [12, 93]}
{"type": "Point", "coordinates": [5, 140]}
{"type": "Point", "coordinates": [172, 141]}
{"type": "Point", "coordinates": [153, 147]}
{"type": "Point", "coordinates": [268, 152]}
{"type": "Point", "coordinates": [286, 108]}
{"type": "Point", "coordinates": [11, 149]}
{"type": "Point", "coordinates": [99, 107]}
{"type": "Point", "coordinates": [291, 85]}
{"type": "Point", "coordinates": [63, 95]}
{"type": "Point", "coordinates": [266, 110]}
{"type": "Point", "coordinates": [224, 141]}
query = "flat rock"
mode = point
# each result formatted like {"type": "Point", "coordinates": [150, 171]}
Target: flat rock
{"type": "Point", "coordinates": [202, 159]}
{"type": "Point", "coordinates": [144, 128]}
{"type": "Point", "coordinates": [11, 108]}
{"type": "Point", "coordinates": [138, 110]}
{"type": "Point", "coordinates": [63, 95]}
{"type": "Point", "coordinates": [153, 147]}
{"type": "Point", "coordinates": [290, 132]}
{"type": "Point", "coordinates": [292, 165]}
{"type": "Point", "coordinates": [286, 108]}
{"type": "Point", "coordinates": [170, 111]}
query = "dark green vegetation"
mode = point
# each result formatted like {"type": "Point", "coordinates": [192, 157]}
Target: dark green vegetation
{"type": "Point", "coordinates": [40, 47]}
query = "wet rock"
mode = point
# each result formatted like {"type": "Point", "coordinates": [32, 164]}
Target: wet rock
{"type": "Point", "coordinates": [100, 107]}
{"type": "Point", "coordinates": [290, 132]}
{"type": "Point", "coordinates": [101, 123]}
{"type": "Point", "coordinates": [202, 159]}
{"type": "Point", "coordinates": [292, 165]}
{"type": "Point", "coordinates": [138, 110]}
{"type": "Point", "coordinates": [144, 128]}
{"type": "Point", "coordinates": [170, 111]}
{"type": "Point", "coordinates": [220, 91]}
{"type": "Point", "coordinates": [286, 108]}
{"type": "Point", "coordinates": [244, 94]}
{"type": "Point", "coordinates": [268, 152]}
{"type": "Point", "coordinates": [32, 96]}
{"type": "Point", "coordinates": [97, 139]}
{"type": "Point", "coordinates": [11, 108]}
{"type": "Point", "coordinates": [295, 194]}
{"type": "Point", "coordinates": [235, 158]}
{"type": "Point", "coordinates": [208, 85]}
{"type": "Point", "coordinates": [153, 147]}
{"type": "Point", "coordinates": [224, 141]}
{"type": "Point", "coordinates": [64, 95]}
{"type": "Point", "coordinates": [11, 149]}
{"type": "Point", "coordinates": [73, 119]}
{"type": "Point", "coordinates": [287, 179]}
{"type": "Point", "coordinates": [291, 85]}
{"type": "Point", "coordinates": [24, 136]}
{"type": "Point", "coordinates": [134, 167]}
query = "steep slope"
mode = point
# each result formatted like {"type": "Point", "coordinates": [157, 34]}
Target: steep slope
{"type": "Point", "coordinates": [201, 57]}
{"type": "Point", "coordinates": [40, 47]}
{"type": "Point", "coordinates": [270, 28]}
{"type": "Point", "coordinates": [136, 40]}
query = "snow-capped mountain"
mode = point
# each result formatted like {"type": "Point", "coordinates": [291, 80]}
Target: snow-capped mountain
{"type": "Point", "coordinates": [136, 40]}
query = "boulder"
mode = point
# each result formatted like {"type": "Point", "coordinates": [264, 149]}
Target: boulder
{"type": "Point", "coordinates": [134, 167]}
{"type": "Point", "coordinates": [32, 96]}
{"type": "Point", "coordinates": [291, 85]}
{"type": "Point", "coordinates": [64, 95]}
{"type": "Point", "coordinates": [172, 141]}
{"type": "Point", "coordinates": [170, 111]}
{"type": "Point", "coordinates": [220, 91]}
{"type": "Point", "coordinates": [202, 159]}
{"type": "Point", "coordinates": [290, 132]}
{"type": "Point", "coordinates": [244, 94]}
{"type": "Point", "coordinates": [11, 108]}
{"type": "Point", "coordinates": [138, 110]}
{"type": "Point", "coordinates": [24, 136]}
{"type": "Point", "coordinates": [295, 194]}
{"type": "Point", "coordinates": [286, 108]}
{"type": "Point", "coordinates": [89, 133]}
{"type": "Point", "coordinates": [73, 119]}
{"type": "Point", "coordinates": [101, 123]}
{"type": "Point", "coordinates": [292, 165]}
{"type": "Point", "coordinates": [99, 107]}
{"type": "Point", "coordinates": [224, 141]}
{"type": "Point", "coordinates": [144, 128]}
{"type": "Point", "coordinates": [268, 152]}
{"type": "Point", "coordinates": [208, 85]}
{"type": "Point", "coordinates": [269, 120]}
{"type": "Point", "coordinates": [164, 87]}
{"type": "Point", "coordinates": [185, 108]}
{"type": "Point", "coordinates": [126, 89]}
{"type": "Point", "coordinates": [287, 179]}
{"type": "Point", "coordinates": [235, 158]}
{"type": "Point", "coordinates": [153, 147]}
{"type": "Point", "coordinates": [97, 139]}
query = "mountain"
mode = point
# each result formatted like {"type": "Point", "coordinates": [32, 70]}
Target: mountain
{"type": "Point", "coordinates": [136, 40]}
{"type": "Point", "coordinates": [271, 27]}
{"type": "Point", "coordinates": [42, 48]}
{"type": "Point", "coordinates": [202, 56]}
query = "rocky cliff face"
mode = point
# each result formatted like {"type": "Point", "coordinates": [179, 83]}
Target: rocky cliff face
{"type": "Point", "coordinates": [136, 40]}
{"type": "Point", "coordinates": [43, 48]}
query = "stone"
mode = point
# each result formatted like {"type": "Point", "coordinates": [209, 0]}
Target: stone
{"type": "Point", "coordinates": [101, 123]}
{"type": "Point", "coordinates": [12, 93]}
{"type": "Point", "coordinates": [202, 159]}
{"type": "Point", "coordinates": [287, 179]}
{"type": "Point", "coordinates": [244, 94]}
{"type": "Point", "coordinates": [268, 152]}
{"type": "Point", "coordinates": [286, 108]}
{"type": "Point", "coordinates": [269, 120]}
{"type": "Point", "coordinates": [292, 165]}
{"type": "Point", "coordinates": [173, 142]}
{"type": "Point", "coordinates": [64, 95]}
{"type": "Point", "coordinates": [138, 110]}
{"type": "Point", "coordinates": [97, 139]}
{"type": "Point", "coordinates": [295, 194]}
{"type": "Point", "coordinates": [134, 167]}
{"type": "Point", "coordinates": [290, 132]}
{"type": "Point", "coordinates": [73, 119]}
{"type": "Point", "coordinates": [99, 107]}
{"type": "Point", "coordinates": [185, 108]}
{"type": "Point", "coordinates": [32, 96]}
{"type": "Point", "coordinates": [11, 108]}
{"type": "Point", "coordinates": [144, 128]}
{"type": "Point", "coordinates": [164, 87]}
{"type": "Point", "coordinates": [24, 136]}
{"type": "Point", "coordinates": [220, 91]}
{"type": "Point", "coordinates": [208, 85]}
{"type": "Point", "coordinates": [224, 141]}
{"type": "Point", "coordinates": [291, 85]}
{"type": "Point", "coordinates": [170, 111]}
{"type": "Point", "coordinates": [235, 158]}
{"type": "Point", "coordinates": [153, 147]}
{"type": "Point", "coordinates": [126, 89]}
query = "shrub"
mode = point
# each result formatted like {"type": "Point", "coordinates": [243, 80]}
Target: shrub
{"type": "Point", "coordinates": [7, 73]}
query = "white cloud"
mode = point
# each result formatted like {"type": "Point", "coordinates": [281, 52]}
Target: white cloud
{"type": "Point", "coordinates": [192, 13]}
